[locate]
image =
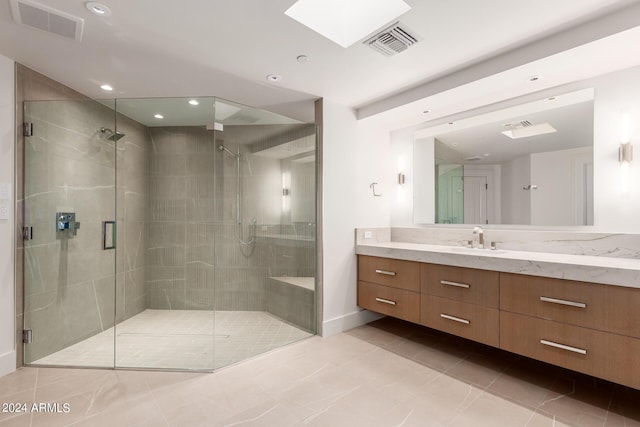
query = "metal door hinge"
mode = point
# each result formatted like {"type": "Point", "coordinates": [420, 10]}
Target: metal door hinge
{"type": "Point", "coordinates": [27, 129]}
{"type": "Point", "coordinates": [27, 232]}
{"type": "Point", "coordinates": [27, 336]}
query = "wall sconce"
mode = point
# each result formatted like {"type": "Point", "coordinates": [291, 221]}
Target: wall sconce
{"type": "Point", "coordinates": [625, 153]}
{"type": "Point", "coordinates": [286, 192]}
{"type": "Point", "coordinates": [401, 178]}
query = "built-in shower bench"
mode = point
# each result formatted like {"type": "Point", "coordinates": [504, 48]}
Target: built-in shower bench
{"type": "Point", "coordinates": [292, 299]}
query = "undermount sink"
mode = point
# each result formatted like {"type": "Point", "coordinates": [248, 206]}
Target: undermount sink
{"type": "Point", "coordinates": [477, 251]}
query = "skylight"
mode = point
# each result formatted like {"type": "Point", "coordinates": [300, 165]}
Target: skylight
{"type": "Point", "coordinates": [530, 130]}
{"type": "Point", "coordinates": [346, 21]}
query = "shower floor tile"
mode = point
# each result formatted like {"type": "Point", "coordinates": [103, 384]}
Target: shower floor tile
{"type": "Point", "coordinates": [180, 339]}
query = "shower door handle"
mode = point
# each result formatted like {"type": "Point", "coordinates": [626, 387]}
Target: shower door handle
{"type": "Point", "coordinates": [108, 235]}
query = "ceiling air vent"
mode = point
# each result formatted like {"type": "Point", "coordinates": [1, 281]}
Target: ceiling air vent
{"type": "Point", "coordinates": [47, 19]}
{"type": "Point", "coordinates": [392, 40]}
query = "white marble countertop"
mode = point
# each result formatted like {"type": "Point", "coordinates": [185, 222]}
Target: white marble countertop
{"type": "Point", "coordinates": [595, 269]}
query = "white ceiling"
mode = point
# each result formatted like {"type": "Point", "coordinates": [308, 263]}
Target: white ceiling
{"type": "Point", "coordinates": [151, 48]}
{"type": "Point", "coordinates": [572, 120]}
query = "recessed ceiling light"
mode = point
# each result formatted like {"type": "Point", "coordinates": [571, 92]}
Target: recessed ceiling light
{"type": "Point", "coordinates": [106, 87]}
{"type": "Point", "coordinates": [534, 78]}
{"type": "Point", "coordinates": [302, 59]}
{"type": "Point", "coordinates": [158, 116]}
{"type": "Point", "coordinates": [274, 77]}
{"type": "Point", "coordinates": [346, 22]}
{"type": "Point", "coordinates": [98, 9]}
{"type": "Point", "coordinates": [194, 102]}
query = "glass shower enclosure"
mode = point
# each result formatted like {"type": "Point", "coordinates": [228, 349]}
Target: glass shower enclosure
{"type": "Point", "coordinates": [173, 233]}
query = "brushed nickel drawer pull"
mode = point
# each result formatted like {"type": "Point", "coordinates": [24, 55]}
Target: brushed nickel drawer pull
{"type": "Point", "coordinates": [455, 319]}
{"type": "Point", "coordinates": [386, 301]}
{"type": "Point", "coordinates": [564, 302]}
{"type": "Point", "coordinates": [563, 347]}
{"type": "Point", "coordinates": [456, 284]}
{"type": "Point", "coordinates": [386, 273]}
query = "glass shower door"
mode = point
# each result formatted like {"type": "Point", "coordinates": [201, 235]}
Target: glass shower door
{"type": "Point", "coordinates": [69, 207]}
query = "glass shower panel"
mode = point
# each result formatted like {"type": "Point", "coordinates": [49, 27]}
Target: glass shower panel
{"type": "Point", "coordinates": [265, 231]}
{"type": "Point", "coordinates": [170, 233]}
{"type": "Point", "coordinates": [167, 187]}
{"type": "Point", "coordinates": [70, 186]}
{"type": "Point", "coordinates": [449, 194]}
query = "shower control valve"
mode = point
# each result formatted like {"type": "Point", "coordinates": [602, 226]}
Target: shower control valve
{"type": "Point", "coordinates": [67, 221]}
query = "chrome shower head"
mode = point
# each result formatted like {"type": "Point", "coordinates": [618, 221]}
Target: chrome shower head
{"type": "Point", "coordinates": [223, 148]}
{"type": "Point", "coordinates": [114, 136]}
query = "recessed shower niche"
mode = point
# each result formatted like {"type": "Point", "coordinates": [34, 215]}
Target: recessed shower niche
{"type": "Point", "coordinates": [187, 242]}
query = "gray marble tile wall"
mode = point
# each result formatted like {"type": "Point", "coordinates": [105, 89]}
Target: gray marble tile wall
{"type": "Point", "coordinates": [180, 244]}
{"type": "Point", "coordinates": [242, 271]}
{"type": "Point", "coordinates": [71, 167]}
{"type": "Point", "coordinates": [133, 200]}
{"type": "Point", "coordinates": [30, 86]}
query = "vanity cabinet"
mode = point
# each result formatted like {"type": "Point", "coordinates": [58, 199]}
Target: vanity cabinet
{"type": "Point", "coordinates": [586, 327]}
{"type": "Point", "coordinates": [602, 307]}
{"type": "Point", "coordinates": [460, 301]}
{"type": "Point", "coordinates": [389, 286]}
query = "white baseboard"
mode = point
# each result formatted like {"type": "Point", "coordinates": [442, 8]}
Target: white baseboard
{"type": "Point", "coordinates": [348, 321]}
{"type": "Point", "coordinates": [7, 363]}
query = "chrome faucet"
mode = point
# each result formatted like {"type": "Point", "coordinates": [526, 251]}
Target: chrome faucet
{"type": "Point", "coordinates": [480, 233]}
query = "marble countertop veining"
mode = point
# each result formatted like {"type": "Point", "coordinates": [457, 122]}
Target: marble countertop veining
{"type": "Point", "coordinates": [595, 269]}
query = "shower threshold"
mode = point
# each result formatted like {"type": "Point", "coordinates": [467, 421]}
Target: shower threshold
{"type": "Point", "coordinates": [180, 339]}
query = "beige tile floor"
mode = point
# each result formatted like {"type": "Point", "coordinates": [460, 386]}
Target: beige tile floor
{"type": "Point", "coordinates": [388, 373]}
{"type": "Point", "coordinates": [180, 339]}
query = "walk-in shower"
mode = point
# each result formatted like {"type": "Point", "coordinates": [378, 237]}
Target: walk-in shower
{"type": "Point", "coordinates": [163, 274]}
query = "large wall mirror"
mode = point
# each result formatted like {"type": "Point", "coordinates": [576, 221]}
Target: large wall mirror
{"type": "Point", "coordinates": [530, 164]}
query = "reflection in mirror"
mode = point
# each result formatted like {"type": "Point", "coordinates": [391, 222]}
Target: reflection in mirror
{"type": "Point", "coordinates": [531, 164]}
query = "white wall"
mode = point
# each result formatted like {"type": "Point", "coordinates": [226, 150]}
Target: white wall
{"type": "Point", "coordinates": [615, 94]}
{"type": "Point", "coordinates": [7, 255]}
{"type": "Point", "coordinates": [355, 154]}
{"type": "Point", "coordinates": [424, 172]}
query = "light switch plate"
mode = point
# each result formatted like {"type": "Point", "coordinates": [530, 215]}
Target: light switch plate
{"type": "Point", "coordinates": [368, 234]}
{"type": "Point", "coordinates": [4, 209]}
{"type": "Point", "coordinates": [5, 191]}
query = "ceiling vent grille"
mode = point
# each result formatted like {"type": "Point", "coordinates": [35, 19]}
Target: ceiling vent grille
{"type": "Point", "coordinates": [41, 17]}
{"type": "Point", "coordinates": [393, 40]}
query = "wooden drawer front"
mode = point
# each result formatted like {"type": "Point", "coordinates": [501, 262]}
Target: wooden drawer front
{"type": "Point", "coordinates": [462, 284]}
{"type": "Point", "coordinates": [390, 301]}
{"type": "Point", "coordinates": [602, 307]}
{"type": "Point", "coordinates": [389, 272]}
{"type": "Point", "coordinates": [606, 355]}
{"type": "Point", "coordinates": [452, 317]}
